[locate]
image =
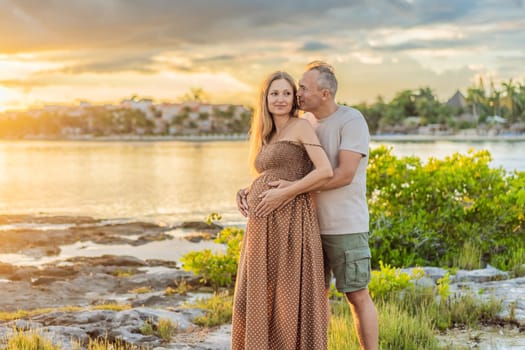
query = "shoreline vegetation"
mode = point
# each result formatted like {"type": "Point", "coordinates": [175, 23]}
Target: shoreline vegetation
{"type": "Point", "coordinates": [459, 137]}
{"type": "Point", "coordinates": [125, 302]}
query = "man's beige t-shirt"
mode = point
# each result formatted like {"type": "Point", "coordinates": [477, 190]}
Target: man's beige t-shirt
{"type": "Point", "coordinates": [344, 210]}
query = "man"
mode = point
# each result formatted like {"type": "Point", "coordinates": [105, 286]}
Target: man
{"type": "Point", "coordinates": [341, 202]}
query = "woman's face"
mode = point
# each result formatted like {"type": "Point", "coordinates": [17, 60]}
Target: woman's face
{"type": "Point", "coordinates": [280, 97]}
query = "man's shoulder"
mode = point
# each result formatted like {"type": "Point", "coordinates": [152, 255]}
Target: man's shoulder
{"type": "Point", "coordinates": [349, 115]}
{"type": "Point", "coordinates": [348, 112]}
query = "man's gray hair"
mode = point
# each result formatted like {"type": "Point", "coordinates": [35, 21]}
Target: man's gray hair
{"type": "Point", "coordinates": [327, 79]}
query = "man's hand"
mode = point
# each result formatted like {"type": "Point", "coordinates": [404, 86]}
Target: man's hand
{"type": "Point", "coordinates": [274, 198]}
{"type": "Point", "coordinates": [280, 183]}
{"type": "Point", "coordinates": [242, 201]}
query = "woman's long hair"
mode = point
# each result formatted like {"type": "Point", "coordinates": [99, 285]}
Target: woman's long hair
{"type": "Point", "coordinates": [262, 126]}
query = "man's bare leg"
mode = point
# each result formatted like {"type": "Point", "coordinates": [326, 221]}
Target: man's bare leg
{"type": "Point", "coordinates": [365, 318]}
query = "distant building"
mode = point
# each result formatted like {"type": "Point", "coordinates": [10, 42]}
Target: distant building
{"type": "Point", "coordinates": [457, 101]}
{"type": "Point", "coordinates": [168, 111]}
{"type": "Point", "coordinates": [144, 105]}
{"type": "Point", "coordinates": [460, 104]}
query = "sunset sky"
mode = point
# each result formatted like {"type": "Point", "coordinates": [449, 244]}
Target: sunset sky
{"type": "Point", "coordinates": [101, 51]}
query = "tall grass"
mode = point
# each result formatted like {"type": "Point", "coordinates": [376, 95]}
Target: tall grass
{"type": "Point", "coordinates": [15, 315]}
{"type": "Point", "coordinates": [28, 340]}
{"type": "Point", "coordinates": [166, 328]}
{"type": "Point", "coordinates": [513, 260]}
{"type": "Point", "coordinates": [470, 258]}
{"type": "Point", "coordinates": [106, 344]}
{"type": "Point", "coordinates": [409, 314]}
{"type": "Point", "coordinates": [218, 308]}
{"type": "Point", "coordinates": [398, 329]}
{"type": "Point", "coordinates": [36, 340]}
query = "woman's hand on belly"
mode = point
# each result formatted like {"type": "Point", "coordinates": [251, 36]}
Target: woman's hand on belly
{"type": "Point", "coordinates": [272, 199]}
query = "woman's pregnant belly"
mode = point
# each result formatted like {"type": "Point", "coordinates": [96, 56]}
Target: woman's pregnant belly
{"type": "Point", "coordinates": [258, 186]}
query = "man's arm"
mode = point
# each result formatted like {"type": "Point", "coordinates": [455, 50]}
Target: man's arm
{"type": "Point", "coordinates": [348, 162]}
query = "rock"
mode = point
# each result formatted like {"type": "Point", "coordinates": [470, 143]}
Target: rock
{"type": "Point", "coordinates": [150, 237]}
{"type": "Point", "coordinates": [483, 275]}
{"type": "Point", "coordinates": [484, 284]}
{"type": "Point", "coordinates": [148, 301]}
{"type": "Point", "coordinates": [218, 340]}
{"type": "Point", "coordinates": [44, 280]}
{"type": "Point", "coordinates": [40, 252]}
{"type": "Point", "coordinates": [110, 260]}
{"type": "Point", "coordinates": [23, 324]}
{"type": "Point", "coordinates": [67, 337]}
{"type": "Point", "coordinates": [45, 219]}
{"type": "Point", "coordinates": [200, 225]}
{"type": "Point", "coordinates": [24, 273]}
{"type": "Point", "coordinates": [425, 282]}
{"type": "Point", "coordinates": [510, 292]}
{"type": "Point", "coordinates": [160, 279]}
{"type": "Point", "coordinates": [6, 269]}
{"type": "Point", "coordinates": [165, 263]}
{"type": "Point", "coordinates": [179, 319]}
{"type": "Point", "coordinates": [434, 273]}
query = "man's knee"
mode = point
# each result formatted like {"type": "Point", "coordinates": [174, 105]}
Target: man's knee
{"type": "Point", "coordinates": [359, 297]}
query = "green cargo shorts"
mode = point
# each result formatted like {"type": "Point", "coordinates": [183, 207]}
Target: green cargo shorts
{"type": "Point", "coordinates": [348, 258]}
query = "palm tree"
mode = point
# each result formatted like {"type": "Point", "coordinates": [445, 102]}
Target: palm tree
{"type": "Point", "coordinates": [495, 99]}
{"type": "Point", "coordinates": [476, 96]}
{"type": "Point", "coordinates": [195, 94]}
{"type": "Point", "coordinates": [520, 102]}
{"type": "Point", "coordinates": [510, 94]}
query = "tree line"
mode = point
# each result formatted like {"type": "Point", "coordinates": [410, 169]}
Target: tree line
{"type": "Point", "coordinates": [506, 100]}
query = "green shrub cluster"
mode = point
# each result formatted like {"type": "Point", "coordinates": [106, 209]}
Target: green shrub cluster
{"type": "Point", "coordinates": [389, 280]}
{"type": "Point", "coordinates": [426, 213]}
{"type": "Point", "coordinates": [457, 211]}
{"type": "Point", "coordinates": [217, 269]}
{"type": "Point", "coordinates": [218, 310]}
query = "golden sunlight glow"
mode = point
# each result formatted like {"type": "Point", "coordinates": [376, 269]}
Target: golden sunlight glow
{"type": "Point", "coordinates": [113, 87]}
{"type": "Point", "coordinates": [8, 100]}
{"type": "Point", "coordinates": [20, 66]}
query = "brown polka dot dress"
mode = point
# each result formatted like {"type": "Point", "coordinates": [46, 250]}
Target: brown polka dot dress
{"type": "Point", "coordinates": [279, 302]}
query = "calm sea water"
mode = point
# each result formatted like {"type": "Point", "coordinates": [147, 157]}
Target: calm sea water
{"type": "Point", "coordinates": [158, 181]}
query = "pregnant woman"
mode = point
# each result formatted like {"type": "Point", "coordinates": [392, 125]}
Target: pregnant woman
{"type": "Point", "coordinates": [280, 300]}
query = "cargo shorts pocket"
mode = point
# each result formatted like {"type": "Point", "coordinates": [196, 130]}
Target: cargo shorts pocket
{"type": "Point", "coordinates": [357, 267]}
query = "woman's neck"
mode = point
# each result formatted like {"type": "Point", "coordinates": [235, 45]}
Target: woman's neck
{"type": "Point", "coordinates": [281, 122]}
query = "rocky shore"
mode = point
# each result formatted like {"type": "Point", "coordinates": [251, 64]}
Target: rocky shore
{"type": "Point", "coordinates": [114, 296]}
{"type": "Point", "coordinates": [70, 298]}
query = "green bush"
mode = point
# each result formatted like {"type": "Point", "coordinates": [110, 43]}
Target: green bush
{"type": "Point", "coordinates": [425, 213]}
{"type": "Point", "coordinates": [218, 308]}
{"type": "Point", "coordinates": [217, 269]}
{"type": "Point", "coordinates": [420, 214]}
{"type": "Point", "coordinates": [388, 280]}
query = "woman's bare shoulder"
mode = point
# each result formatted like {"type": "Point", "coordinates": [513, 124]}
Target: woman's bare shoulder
{"type": "Point", "coordinates": [302, 123]}
{"type": "Point", "coordinates": [307, 115]}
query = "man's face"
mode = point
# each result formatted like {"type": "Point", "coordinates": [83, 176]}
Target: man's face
{"type": "Point", "coordinates": [309, 95]}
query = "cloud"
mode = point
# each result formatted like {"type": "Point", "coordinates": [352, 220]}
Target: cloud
{"type": "Point", "coordinates": [314, 46]}
{"type": "Point", "coordinates": [36, 25]}
{"type": "Point", "coordinates": [93, 43]}
{"type": "Point", "coordinates": [425, 44]}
